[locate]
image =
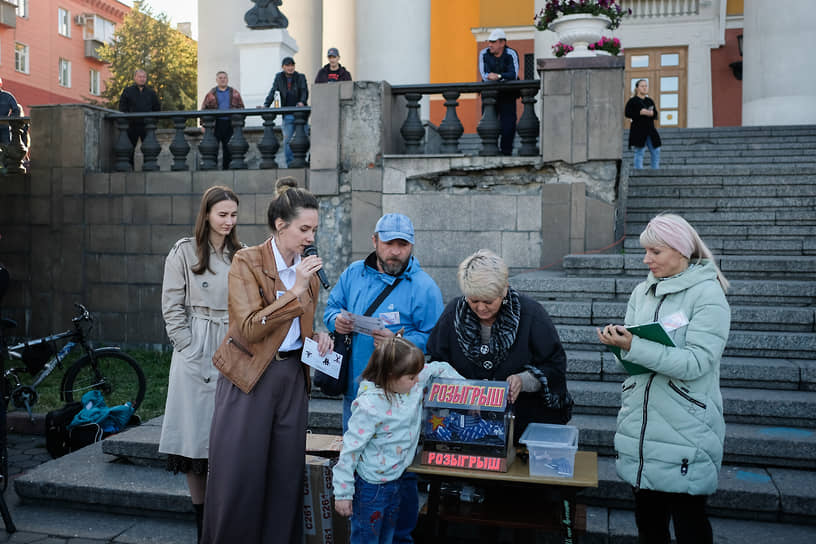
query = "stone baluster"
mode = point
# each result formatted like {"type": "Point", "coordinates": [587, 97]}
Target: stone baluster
{"type": "Point", "coordinates": [489, 127]}
{"type": "Point", "coordinates": [412, 130]}
{"type": "Point", "coordinates": [16, 148]}
{"type": "Point", "coordinates": [179, 146]}
{"type": "Point", "coordinates": [150, 146]}
{"type": "Point", "coordinates": [299, 144]}
{"type": "Point", "coordinates": [123, 149]}
{"type": "Point", "coordinates": [528, 126]}
{"type": "Point", "coordinates": [238, 145]}
{"type": "Point", "coordinates": [269, 145]}
{"type": "Point", "coordinates": [451, 128]}
{"type": "Point", "coordinates": [208, 147]}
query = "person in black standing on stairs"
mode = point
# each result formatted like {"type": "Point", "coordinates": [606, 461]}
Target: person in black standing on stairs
{"type": "Point", "coordinates": [498, 62]}
{"type": "Point", "coordinates": [138, 98]}
{"type": "Point", "coordinates": [642, 134]}
{"type": "Point", "coordinates": [293, 91]}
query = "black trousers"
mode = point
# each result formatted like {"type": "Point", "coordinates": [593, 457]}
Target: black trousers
{"type": "Point", "coordinates": [654, 509]}
{"type": "Point", "coordinates": [223, 133]}
{"type": "Point", "coordinates": [135, 132]}
{"type": "Point", "coordinates": [506, 108]}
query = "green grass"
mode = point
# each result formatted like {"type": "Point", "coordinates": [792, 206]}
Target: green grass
{"type": "Point", "coordinates": [155, 365]}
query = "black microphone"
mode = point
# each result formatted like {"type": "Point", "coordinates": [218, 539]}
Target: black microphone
{"type": "Point", "coordinates": [312, 250]}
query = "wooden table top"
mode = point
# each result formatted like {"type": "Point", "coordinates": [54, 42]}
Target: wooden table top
{"type": "Point", "coordinates": [584, 475]}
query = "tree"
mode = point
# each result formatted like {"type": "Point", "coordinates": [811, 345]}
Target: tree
{"type": "Point", "coordinates": [147, 41]}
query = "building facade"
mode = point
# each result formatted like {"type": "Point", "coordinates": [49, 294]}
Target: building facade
{"type": "Point", "coordinates": [48, 48]}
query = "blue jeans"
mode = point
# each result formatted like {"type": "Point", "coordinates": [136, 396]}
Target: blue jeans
{"type": "Point", "coordinates": [409, 494]}
{"type": "Point", "coordinates": [654, 155]}
{"type": "Point", "coordinates": [288, 131]}
{"type": "Point", "coordinates": [375, 508]}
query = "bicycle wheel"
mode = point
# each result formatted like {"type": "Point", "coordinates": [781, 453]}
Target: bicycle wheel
{"type": "Point", "coordinates": [117, 375]}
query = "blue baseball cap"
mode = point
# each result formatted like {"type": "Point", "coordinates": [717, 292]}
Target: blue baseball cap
{"type": "Point", "coordinates": [395, 225]}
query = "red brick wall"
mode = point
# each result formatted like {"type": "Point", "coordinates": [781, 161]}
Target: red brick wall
{"type": "Point", "coordinates": [46, 46]}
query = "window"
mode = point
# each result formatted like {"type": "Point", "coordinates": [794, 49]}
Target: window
{"type": "Point", "coordinates": [65, 72]}
{"type": "Point", "coordinates": [22, 8]}
{"type": "Point", "coordinates": [21, 58]}
{"type": "Point", "coordinates": [64, 22]}
{"type": "Point", "coordinates": [97, 28]}
{"type": "Point", "coordinates": [94, 87]}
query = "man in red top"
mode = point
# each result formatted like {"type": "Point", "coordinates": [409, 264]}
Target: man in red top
{"type": "Point", "coordinates": [223, 97]}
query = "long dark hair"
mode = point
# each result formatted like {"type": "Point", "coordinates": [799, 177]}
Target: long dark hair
{"type": "Point", "coordinates": [289, 200]}
{"type": "Point", "coordinates": [393, 358]}
{"type": "Point", "coordinates": [210, 198]}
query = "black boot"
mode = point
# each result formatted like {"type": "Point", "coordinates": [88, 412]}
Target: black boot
{"type": "Point", "coordinates": [199, 513]}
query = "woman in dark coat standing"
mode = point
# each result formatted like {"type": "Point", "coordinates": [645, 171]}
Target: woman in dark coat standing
{"type": "Point", "coordinates": [494, 332]}
{"type": "Point", "coordinates": [642, 134]}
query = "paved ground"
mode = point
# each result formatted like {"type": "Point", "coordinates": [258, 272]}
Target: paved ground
{"type": "Point", "coordinates": [64, 526]}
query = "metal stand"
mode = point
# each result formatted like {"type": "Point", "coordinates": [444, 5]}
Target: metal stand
{"type": "Point", "coordinates": [4, 323]}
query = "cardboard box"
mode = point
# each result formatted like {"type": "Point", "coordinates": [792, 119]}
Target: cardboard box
{"type": "Point", "coordinates": [321, 523]}
{"type": "Point", "coordinates": [324, 445]}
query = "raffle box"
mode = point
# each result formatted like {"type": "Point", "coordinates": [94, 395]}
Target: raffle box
{"type": "Point", "coordinates": [466, 424]}
{"type": "Point", "coordinates": [321, 524]}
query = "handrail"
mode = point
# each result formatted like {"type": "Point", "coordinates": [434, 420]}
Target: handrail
{"type": "Point", "coordinates": [189, 114]}
{"type": "Point", "coordinates": [468, 86]}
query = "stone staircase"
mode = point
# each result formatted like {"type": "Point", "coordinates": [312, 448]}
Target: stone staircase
{"type": "Point", "coordinates": [760, 221]}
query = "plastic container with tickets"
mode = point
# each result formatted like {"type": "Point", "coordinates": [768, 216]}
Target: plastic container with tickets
{"type": "Point", "coordinates": [552, 449]}
{"type": "Point", "coordinates": [467, 424]}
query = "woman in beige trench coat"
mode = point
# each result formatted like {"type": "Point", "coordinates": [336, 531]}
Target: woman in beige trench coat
{"type": "Point", "coordinates": [194, 305]}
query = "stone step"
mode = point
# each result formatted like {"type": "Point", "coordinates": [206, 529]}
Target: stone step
{"type": "Point", "coordinates": [705, 175]}
{"type": "Point", "coordinates": [545, 285]}
{"type": "Point", "coordinates": [640, 192]}
{"type": "Point", "coordinates": [712, 204]}
{"type": "Point", "coordinates": [91, 479]}
{"type": "Point", "coordinates": [755, 493]}
{"type": "Point", "coordinates": [745, 372]}
{"type": "Point", "coordinates": [762, 344]}
{"type": "Point", "coordinates": [733, 266]}
{"type": "Point", "coordinates": [753, 246]}
{"type": "Point", "coordinates": [756, 147]}
{"type": "Point", "coordinates": [740, 405]}
{"type": "Point", "coordinates": [745, 232]}
{"type": "Point", "coordinates": [752, 445]}
{"type": "Point", "coordinates": [742, 317]}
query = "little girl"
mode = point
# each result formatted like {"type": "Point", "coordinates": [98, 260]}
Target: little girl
{"type": "Point", "coordinates": [382, 438]}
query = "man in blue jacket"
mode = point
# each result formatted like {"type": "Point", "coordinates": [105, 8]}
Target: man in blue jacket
{"type": "Point", "coordinates": [498, 62]}
{"type": "Point", "coordinates": [415, 305]}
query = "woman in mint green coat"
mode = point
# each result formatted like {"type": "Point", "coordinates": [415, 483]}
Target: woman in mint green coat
{"type": "Point", "coordinates": [670, 429]}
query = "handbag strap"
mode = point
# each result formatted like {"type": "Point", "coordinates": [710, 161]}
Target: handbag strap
{"type": "Point", "coordinates": [385, 292]}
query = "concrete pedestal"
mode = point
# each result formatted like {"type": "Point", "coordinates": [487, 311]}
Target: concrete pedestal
{"type": "Point", "coordinates": [261, 52]}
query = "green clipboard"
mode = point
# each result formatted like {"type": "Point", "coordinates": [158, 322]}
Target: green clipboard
{"type": "Point", "coordinates": [650, 331]}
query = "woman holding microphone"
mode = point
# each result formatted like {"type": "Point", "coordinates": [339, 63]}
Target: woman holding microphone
{"type": "Point", "coordinates": [670, 428]}
{"type": "Point", "coordinates": [258, 436]}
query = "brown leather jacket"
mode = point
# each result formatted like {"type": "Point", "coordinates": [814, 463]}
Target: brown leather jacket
{"type": "Point", "coordinates": [258, 321]}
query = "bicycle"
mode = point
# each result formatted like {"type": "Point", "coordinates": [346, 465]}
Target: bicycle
{"type": "Point", "coordinates": [108, 369]}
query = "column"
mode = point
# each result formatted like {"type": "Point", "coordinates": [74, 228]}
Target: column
{"type": "Point", "coordinates": [393, 38]}
{"type": "Point", "coordinates": [778, 75]}
{"type": "Point", "coordinates": [340, 31]}
{"type": "Point", "coordinates": [218, 22]}
{"type": "Point", "coordinates": [306, 27]}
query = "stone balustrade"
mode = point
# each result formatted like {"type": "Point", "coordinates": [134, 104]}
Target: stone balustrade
{"type": "Point", "coordinates": [450, 130]}
{"type": "Point", "coordinates": [208, 146]}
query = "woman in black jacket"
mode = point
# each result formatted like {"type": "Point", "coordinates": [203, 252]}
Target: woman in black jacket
{"type": "Point", "coordinates": [494, 332]}
{"type": "Point", "coordinates": [642, 134]}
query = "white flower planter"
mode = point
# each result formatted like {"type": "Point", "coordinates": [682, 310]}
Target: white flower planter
{"type": "Point", "coordinates": [579, 30]}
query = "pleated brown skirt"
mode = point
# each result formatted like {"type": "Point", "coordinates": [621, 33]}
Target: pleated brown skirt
{"type": "Point", "coordinates": [257, 445]}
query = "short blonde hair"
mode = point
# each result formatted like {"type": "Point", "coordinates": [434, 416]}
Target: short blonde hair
{"type": "Point", "coordinates": [483, 275]}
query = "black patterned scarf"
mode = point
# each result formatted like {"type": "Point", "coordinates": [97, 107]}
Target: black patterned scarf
{"type": "Point", "coordinates": [502, 333]}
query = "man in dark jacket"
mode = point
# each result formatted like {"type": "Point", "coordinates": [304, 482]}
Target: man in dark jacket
{"type": "Point", "coordinates": [8, 108]}
{"type": "Point", "coordinates": [293, 91]}
{"type": "Point", "coordinates": [333, 71]}
{"type": "Point", "coordinates": [138, 98]}
{"type": "Point", "coordinates": [223, 97]}
{"type": "Point", "coordinates": [498, 63]}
